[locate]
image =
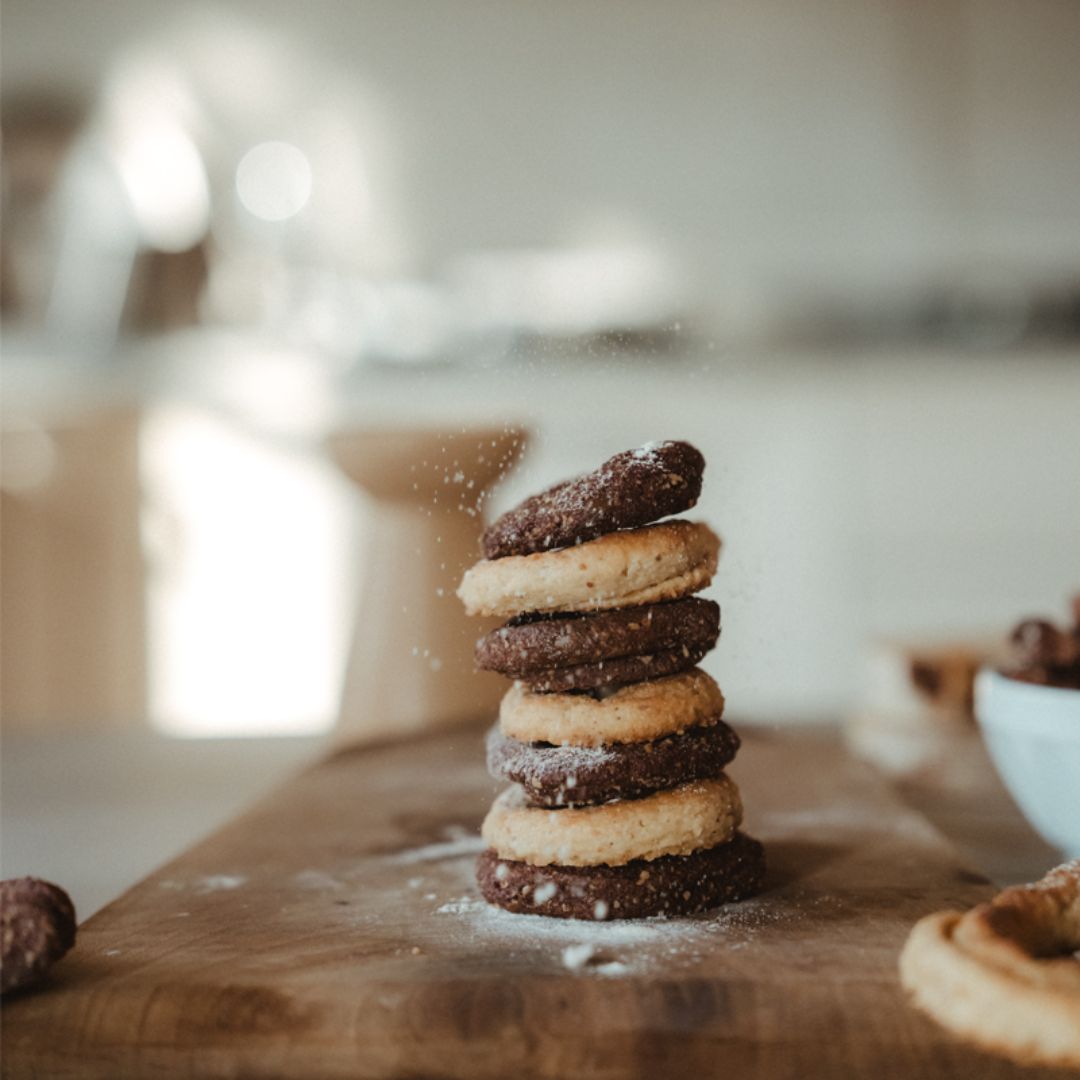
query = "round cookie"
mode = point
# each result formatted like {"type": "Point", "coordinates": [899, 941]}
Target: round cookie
{"type": "Point", "coordinates": [619, 672]}
{"type": "Point", "coordinates": [987, 1004]}
{"type": "Point", "coordinates": [1004, 974]}
{"type": "Point", "coordinates": [631, 489]}
{"type": "Point", "coordinates": [584, 652]}
{"type": "Point", "coordinates": [619, 570]}
{"type": "Point", "coordinates": [554, 776]}
{"type": "Point", "coordinates": [637, 713]}
{"type": "Point", "coordinates": [671, 885]}
{"type": "Point", "coordinates": [37, 919]}
{"type": "Point", "coordinates": [700, 814]}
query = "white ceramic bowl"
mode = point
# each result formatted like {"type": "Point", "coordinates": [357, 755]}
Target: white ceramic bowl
{"type": "Point", "coordinates": [1033, 734]}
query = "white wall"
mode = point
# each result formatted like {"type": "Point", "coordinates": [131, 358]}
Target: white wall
{"type": "Point", "coordinates": [773, 146]}
{"type": "Point", "coordinates": [907, 495]}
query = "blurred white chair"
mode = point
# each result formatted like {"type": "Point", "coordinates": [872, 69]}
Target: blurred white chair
{"type": "Point", "coordinates": [411, 663]}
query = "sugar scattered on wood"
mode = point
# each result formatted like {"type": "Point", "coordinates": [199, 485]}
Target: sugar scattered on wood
{"type": "Point", "coordinates": [316, 879]}
{"type": "Point", "coordinates": [575, 957]}
{"type": "Point", "coordinates": [446, 849]}
{"type": "Point", "coordinates": [219, 883]}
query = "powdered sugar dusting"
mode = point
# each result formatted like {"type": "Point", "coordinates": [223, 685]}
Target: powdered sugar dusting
{"type": "Point", "coordinates": [650, 449]}
{"type": "Point", "coordinates": [575, 957]}
{"type": "Point", "coordinates": [543, 893]}
{"type": "Point", "coordinates": [316, 879]}
{"type": "Point", "coordinates": [219, 883]}
{"type": "Point", "coordinates": [533, 769]}
{"type": "Point", "coordinates": [447, 849]}
{"type": "Point", "coordinates": [427, 897]}
{"type": "Point", "coordinates": [581, 957]}
{"type": "Point", "coordinates": [608, 948]}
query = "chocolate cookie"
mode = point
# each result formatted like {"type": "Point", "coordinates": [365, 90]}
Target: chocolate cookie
{"type": "Point", "coordinates": [587, 651]}
{"type": "Point", "coordinates": [670, 885]}
{"type": "Point", "coordinates": [37, 926]}
{"type": "Point", "coordinates": [1044, 653]}
{"type": "Point", "coordinates": [583, 775]}
{"type": "Point", "coordinates": [620, 672]}
{"type": "Point", "coordinates": [631, 489]}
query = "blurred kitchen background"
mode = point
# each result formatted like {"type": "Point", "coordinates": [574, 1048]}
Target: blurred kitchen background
{"type": "Point", "coordinates": [263, 262]}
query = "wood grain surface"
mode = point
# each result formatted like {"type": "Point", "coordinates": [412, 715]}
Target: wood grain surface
{"type": "Point", "coordinates": [334, 931]}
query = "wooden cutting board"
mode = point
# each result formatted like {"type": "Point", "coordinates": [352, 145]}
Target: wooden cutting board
{"type": "Point", "coordinates": [334, 931]}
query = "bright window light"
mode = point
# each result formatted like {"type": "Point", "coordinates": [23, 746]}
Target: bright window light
{"type": "Point", "coordinates": [165, 180]}
{"type": "Point", "coordinates": [250, 586]}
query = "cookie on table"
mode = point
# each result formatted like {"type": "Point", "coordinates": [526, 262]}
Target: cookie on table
{"type": "Point", "coordinates": [554, 776]}
{"type": "Point", "coordinates": [631, 489]}
{"type": "Point", "coordinates": [671, 885]}
{"type": "Point", "coordinates": [37, 927]}
{"type": "Point", "coordinates": [586, 652]}
{"type": "Point", "coordinates": [1003, 975]}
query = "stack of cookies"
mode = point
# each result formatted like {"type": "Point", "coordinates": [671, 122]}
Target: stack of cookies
{"type": "Point", "coordinates": [611, 737]}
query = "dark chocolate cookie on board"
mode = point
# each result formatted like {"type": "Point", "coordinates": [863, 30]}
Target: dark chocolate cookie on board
{"type": "Point", "coordinates": [37, 926]}
{"type": "Point", "coordinates": [530, 644]}
{"type": "Point", "coordinates": [554, 654]}
{"type": "Point", "coordinates": [611, 674]}
{"type": "Point", "coordinates": [556, 776]}
{"type": "Point", "coordinates": [631, 489]}
{"type": "Point", "coordinates": [669, 885]}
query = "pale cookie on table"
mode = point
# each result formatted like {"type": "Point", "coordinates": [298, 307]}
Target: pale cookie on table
{"type": "Point", "coordinates": [1004, 974]}
{"type": "Point", "coordinates": [620, 569]}
{"type": "Point", "coordinates": [640, 712]}
{"type": "Point", "coordinates": [678, 821]}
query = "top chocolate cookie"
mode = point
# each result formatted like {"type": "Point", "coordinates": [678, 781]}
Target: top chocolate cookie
{"type": "Point", "coordinates": [631, 489]}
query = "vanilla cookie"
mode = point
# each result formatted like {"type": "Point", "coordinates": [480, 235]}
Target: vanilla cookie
{"type": "Point", "coordinates": [683, 819]}
{"type": "Point", "coordinates": [636, 713]}
{"type": "Point", "coordinates": [621, 569]}
{"type": "Point", "coordinates": [1004, 974]}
